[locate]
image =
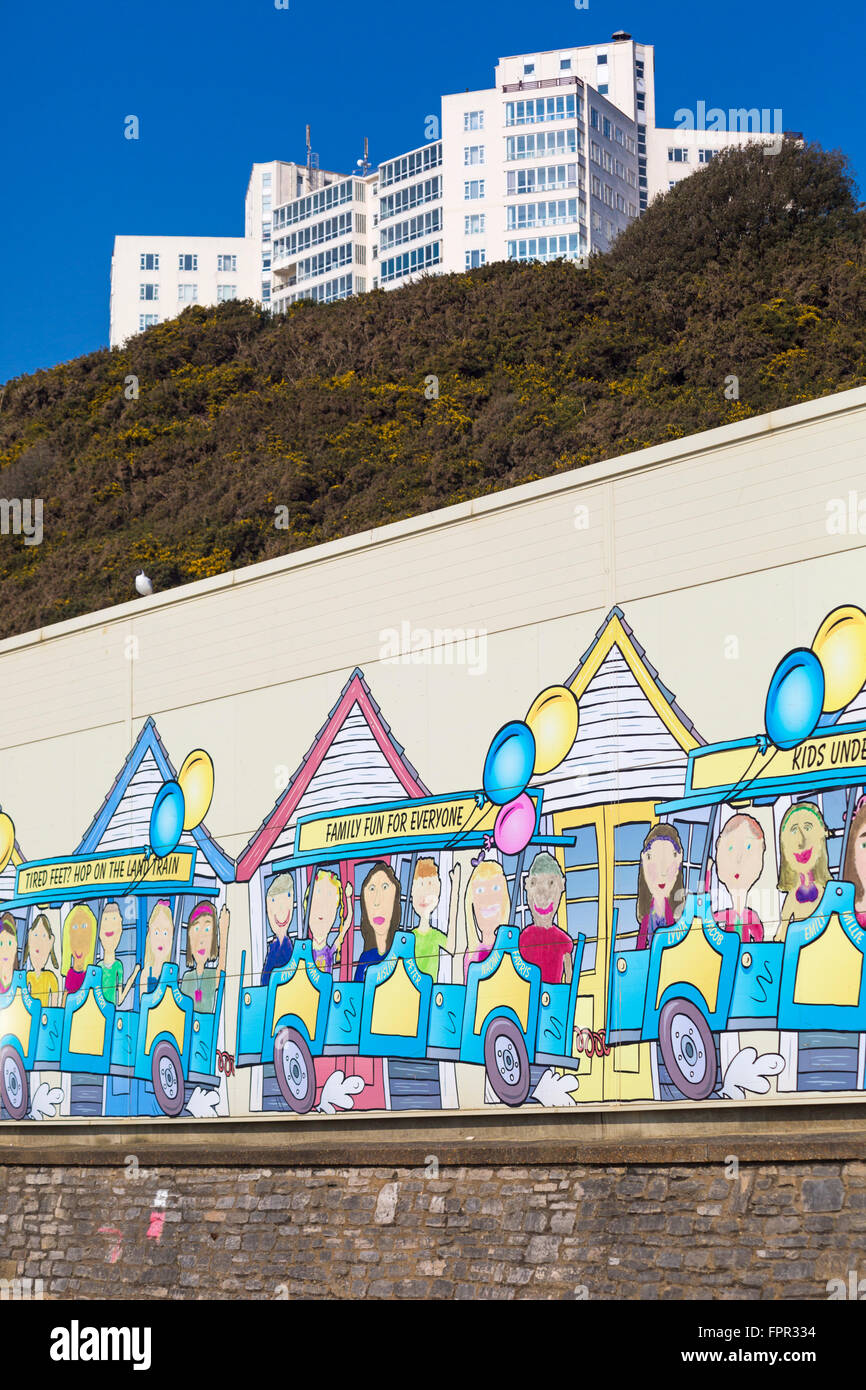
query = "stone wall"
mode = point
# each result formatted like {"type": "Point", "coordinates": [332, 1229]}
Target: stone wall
{"type": "Point", "coordinates": [646, 1230]}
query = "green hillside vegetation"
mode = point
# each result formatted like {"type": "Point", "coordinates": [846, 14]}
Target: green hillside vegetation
{"type": "Point", "coordinates": [753, 267]}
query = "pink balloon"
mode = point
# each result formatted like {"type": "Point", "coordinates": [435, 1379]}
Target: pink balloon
{"type": "Point", "coordinates": [514, 825]}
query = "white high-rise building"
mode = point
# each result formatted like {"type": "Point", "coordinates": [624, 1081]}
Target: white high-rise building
{"type": "Point", "coordinates": [552, 161]}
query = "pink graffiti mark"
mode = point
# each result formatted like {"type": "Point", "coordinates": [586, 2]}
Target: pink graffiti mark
{"type": "Point", "coordinates": [157, 1221]}
{"type": "Point", "coordinates": [115, 1251]}
{"type": "Point", "coordinates": [225, 1062]}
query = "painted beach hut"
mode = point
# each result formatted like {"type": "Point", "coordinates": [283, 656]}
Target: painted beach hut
{"type": "Point", "coordinates": [354, 760]}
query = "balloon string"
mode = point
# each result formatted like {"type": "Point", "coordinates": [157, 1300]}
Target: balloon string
{"type": "Point", "coordinates": [467, 828]}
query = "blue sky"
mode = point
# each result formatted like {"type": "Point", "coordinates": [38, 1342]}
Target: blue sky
{"type": "Point", "coordinates": [217, 84]}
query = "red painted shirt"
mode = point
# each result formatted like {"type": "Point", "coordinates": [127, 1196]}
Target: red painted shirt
{"type": "Point", "coordinates": [547, 948]}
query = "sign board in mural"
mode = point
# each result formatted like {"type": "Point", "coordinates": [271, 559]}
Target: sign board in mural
{"type": "Point", "coordinates": [617, 912]}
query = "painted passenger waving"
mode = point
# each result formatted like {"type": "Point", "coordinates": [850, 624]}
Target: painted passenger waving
{"type": "Point", "coordinates": [280, 908]}
{"type": "Point", "coordinates": [660, 892]}
{"type": "Point", "coordinates": [326, 909]}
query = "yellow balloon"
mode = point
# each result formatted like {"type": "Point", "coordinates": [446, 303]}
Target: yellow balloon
{"type": "Point", "coordinates": [840, 646]}
{"type": "Point", "coordinates": [553, 719]}
{"type": "Point", "coordinates": [195, 780]}
{"type": "Point", "coordinates": [7, 840]}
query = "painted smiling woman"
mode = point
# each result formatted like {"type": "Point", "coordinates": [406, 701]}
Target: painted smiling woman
{"type": "Point", "coordinates": [804, 869]}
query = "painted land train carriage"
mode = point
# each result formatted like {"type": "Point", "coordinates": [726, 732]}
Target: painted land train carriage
{"type": "Point", "coordinates": [503, 1017]}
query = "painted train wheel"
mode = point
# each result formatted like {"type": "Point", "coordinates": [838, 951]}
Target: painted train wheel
{"type": "Point", "coordinates": [167, 1076]}
{"type": "Point", "coordinates": [296, 1073]}
{"type": "Point", "coordinates": [688, 1050]}
{"type": "Point", "coordinates": [13, 1084]}
{"type": "Point", "coordinates": [507, 1061]}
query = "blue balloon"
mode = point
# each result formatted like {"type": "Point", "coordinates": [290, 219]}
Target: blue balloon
{"type": "Point", "coordinates": [166, 819]}
{"type": "Point", "coordinates": [795, 698]}
{"type": "Point", "coordinates": [509, 763]}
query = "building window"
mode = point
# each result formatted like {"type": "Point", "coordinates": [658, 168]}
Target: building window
{"type": "Point", "coordinates": [593, 118]}
{"type": "Point", "coordinates": [187, 262]}
{"type": "Point", "coordinates": [542, 143]}
{"type": "Point", "coordinates": [607, 128]}
{"type": "Point", "coordinates": [149, 261]}
{"type": "Point", "coordinates": [601, 58]}
{"type": "Point", "coordinates": [474, 259]}
{"type": "Point", "coordinates": [565, 64]}
{"type": "Point", "coordinates": [546, 248]}
{"type": "Point", "coordinates": [678, 155]}
{"type": "Point", "coordinates": [538, 109]}
{"type": "Point", "coordinates": [473, 120]}
{"type": "Point", "coordinates": [147, 321]}
{"type": "Point", "coordinates": [704, 156]}
{"type": "Point", "coordinates": [411, 262]}
{"type": "Point", "coordinates": [187, 294]}
{"type": "Point", "coordinates": [528, 69]}
{"type": "Point", "coordinates": [641, 101]}
{"type": "Point", "coordinates": [602, 91]}
{"type": "Point", "coordinates": [473, 154]}
{"type": "Point", "coordinates": [148, 291]}
{"type": "Point", "coordinates": [474, 224]}
{"type": "Point", "coordinates": [638, 67]}
{"type": "Point", "coordinates": [473, 188]}
{"type": "Point", "coordinates": [229, 263]}
{"type": "Point", "coordinates": [266, 180]}
{"type": "Point", "coordinates": [595, 186]}
{"type": "Point", "coordinates": [226, 292]}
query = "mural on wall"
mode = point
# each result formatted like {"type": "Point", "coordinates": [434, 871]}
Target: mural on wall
{"type": "Point", "coordinates": [617, 912]}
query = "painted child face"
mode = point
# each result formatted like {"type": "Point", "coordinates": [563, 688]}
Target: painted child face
{"type": "Point", "coordinates": [802, 839]}
{"type": "Point", "coordinates": [661, 864]}
{"type": "Point", "coordinates": [739, 858]}
{"type": "Point", "coordinates": [80, 940]}
{"type": "Point", "coordinates": [8, 952]}
{"type": "Point", "coordinates": [280, 907]}
{"type": "Point", "coordinates": [860, 854]}
{"type": "Point", "coordinates": [543, 892]}
{"type": "Point", "coordinates": [426, 891]}
{"type": "Point", "coordinates": [39, 943]}
{"type": "Point", "coordinates": [324, 906]}
{"type": "Point", "coordinates": [110, 927]}
{"type": "Point", "coordinates": [379, 895]}
{"type": "Point", "coordinates": [161, 931]}
{"type": "Point", "coordinates": [490, 905]}
{"type": "Point", "coordinates": [200, 937]}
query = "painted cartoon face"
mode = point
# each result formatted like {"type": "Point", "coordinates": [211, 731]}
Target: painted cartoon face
{"type": "Point", "coordinates": [80, 933]}
{"type": "Point", "coordinates": [379, 895]}
{"type": "Point", "coordinates": [801, 840]}
{"type": "Point", "coordinates": [661, 864]}
{"type": "Point", "coordinates": [39, 947]}
{"type": "Point", "coordinates": [324, 907]}
{"type": "Point", "coordinates": [110, 927]}
{"type": "Point", "coordinates": [860, 855]}
{"type": "Point", "coordinates": [543, 892]}
{"type": "Point", "coordinates": [490, 905]}
{"type": "Point", "coordinates": [8, 952]}
{"type": "Point", "coordinates": [200, 938]}
{"type": "Point", "coordinates": [280, 907]}
{"type": "Point", "coordinates": [740, 859]}
{"type": "Point", "coordinates": [426, 891]}
{"type": "Point", "coordinates": [161, 930]}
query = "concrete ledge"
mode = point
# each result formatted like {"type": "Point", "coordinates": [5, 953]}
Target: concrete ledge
{"type": "Point", "coordinates": [754, 1133]}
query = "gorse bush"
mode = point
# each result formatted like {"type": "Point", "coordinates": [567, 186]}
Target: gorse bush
{"type": "Point", "coordinates": [753, 267]}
